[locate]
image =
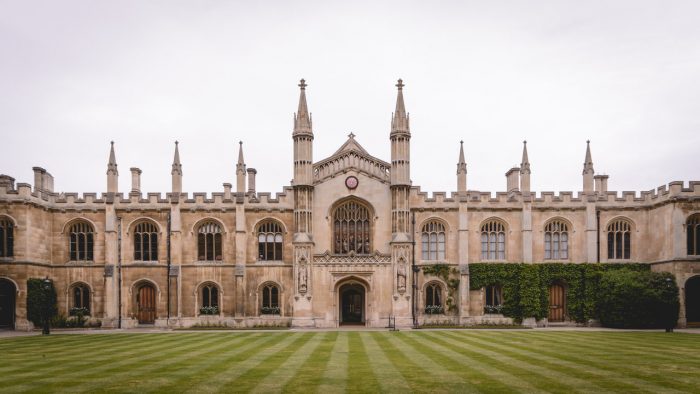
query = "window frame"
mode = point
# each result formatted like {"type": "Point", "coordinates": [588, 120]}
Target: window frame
{"type": "Point", "coordinates": [7, 237]}
{"type": "Point", "coordinates": [145, 232]}
{"type": "Point", "coordinates": [210, 242]}
{"type": "Point", "coordinates": [434, 241]}
{"type": "Point", "coordinates": [80, 297]}
{"type": "Point", "coordinates": [619, 239]}
{"type": "Point", "coordinates": [693, 235]}
{"type": "Point", "coordinates": [270, 299]}
{"type": "Point", "coordinates": [81, 242]}
{"type": "Point", "coordinates": [270, 240]}
{"type": "Point", "coordinates": [493, 239]}
{"type": "Point", "coordinates": [356, 222]}
{"type": "Point", "coordinates": [557, 241]}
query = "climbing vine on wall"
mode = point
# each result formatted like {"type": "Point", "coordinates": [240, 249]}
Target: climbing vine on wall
{"type": "Point", "coordinates": [526, 286]}
{"type": "Point", "coordinates": [446, 273]}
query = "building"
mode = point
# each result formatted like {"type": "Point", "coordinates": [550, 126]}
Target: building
{"type": "Point", "coordinates": [336, 247]}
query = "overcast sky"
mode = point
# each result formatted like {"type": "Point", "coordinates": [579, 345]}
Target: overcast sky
{"type": "Point", "coordinates": [75, 75]}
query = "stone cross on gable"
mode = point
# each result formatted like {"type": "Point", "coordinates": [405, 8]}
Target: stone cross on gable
{"type": "Point", "coordinates": [351, 136]}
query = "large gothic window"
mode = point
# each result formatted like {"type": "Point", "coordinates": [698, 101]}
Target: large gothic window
{"type": "Point", "coordinates": [556, 240]}
{"type": "Point", "coordinates": [209, 242]}
{"type": "Point", "coordinates": [433, 241]}
{"type": "Point", "coordinates": [145, 242]}
{"type": "Point", "coordinates": [693, 233]}
{"type": "Point", "coordinates": [351, 229]}
{"type": "Point", "coordinates": [493, 240]}
{"type": "Point", "coordinates": [619, 233]}
{"type": "Point", "coordinates": [270, 241]}
{"type": "Point", "coordinates": [6, 237]}
{"type": "Point", "coordinates": [82, 238]}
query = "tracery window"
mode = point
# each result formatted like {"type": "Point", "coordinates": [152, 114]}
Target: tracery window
{"type": "Point", "coordinates": [433, 241]}
{"type": "Point", "coordinates": [556, 240]}
{"type": "Point", "coordinates": [6, 237]}
{"type": "Point", "coordinates": [619, 233]}
{"type": "Point", "coordinates": [433, 298]}
{"type": "Point", "coordinates": [209, 242]}
{"type": "Point", "coordinates": [270, 241]}
{"type": "Point", "coordinates": [493, 240]}
{"type": "Point", "coordinates": [82, 238]}
{"type": "Point", "coordinates": [145, 242]}
{"type": "Point", "coordinates": [210, 296]}
{"type": "Point", "coordinates": [351, 228]}
{"type": "Point", "coordinates": [270, 299]}
{"type": "Point", "coordinates": [494, 296]}
{"type": "Point", "coordinates": [81, 299]}
{"type": "Point", "coordinates": [693, 234]}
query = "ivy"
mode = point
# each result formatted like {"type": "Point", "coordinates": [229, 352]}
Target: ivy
{"type": "Point", "coordinates": [526, 286]}
{"type": "Point", "coordinates": [446, 273]}
{"type": "Point", "coordinates": [40, 299]}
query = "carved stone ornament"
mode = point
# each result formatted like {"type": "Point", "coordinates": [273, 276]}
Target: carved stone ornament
{"type": "Point", "coordinates": [109, 270]}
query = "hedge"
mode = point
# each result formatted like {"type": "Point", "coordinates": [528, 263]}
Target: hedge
{"type": "Point", "coordinates": [526, 286]}
{"type": "Point", "coordinates": [38, 298]}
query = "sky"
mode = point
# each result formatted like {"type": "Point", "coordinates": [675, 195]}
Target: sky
{"type": "Point", "coordinates": [75, 75]}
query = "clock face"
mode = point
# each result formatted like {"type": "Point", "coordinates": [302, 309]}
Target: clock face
{"type": "Point", "coordinates": [351, 182]}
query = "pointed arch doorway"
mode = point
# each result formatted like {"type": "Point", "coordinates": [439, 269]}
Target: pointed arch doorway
{"type": "Point", "coordinates": [352, 304]}
{"type": "Point", "coordinates": [7, 304]}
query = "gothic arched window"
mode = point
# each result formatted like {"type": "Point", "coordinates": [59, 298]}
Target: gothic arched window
{"type": "Point", "coordinates": [6, 237]}
{"type": "Point", "coordinates": [433, 241]}
{"type": "Point", "coordinates": [81, 299]}
{"type": "Point", "coordinates": [556, 240]}
{"type": "Point", "coordinates": [82, 238]}
{"type": "Point", "coordinates": [270, 241]}
{"type": "Point", "coordinates": [493, 240]}
{"type": "Point", "coordinates": [209, 242]}
{"type": "Point", "coordinates": [433, 298]}
{"type": "Point", "coordinates": [351, 229]}
{"type": "Point", "coordinates": [619, 233]}
{"type": "Point", "coordinates": [210, 300]}
{"type": "Point", "coordinates": [270, 300]}
{"type": "Point", "coordinates": [494, 299]}
{"type": "Point", "coordinates": [146, 242]}
{"type": "Point", "coordinates": [693, 234]}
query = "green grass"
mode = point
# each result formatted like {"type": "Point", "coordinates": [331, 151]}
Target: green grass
{"type": "Point", "coordinates": [353, 361]}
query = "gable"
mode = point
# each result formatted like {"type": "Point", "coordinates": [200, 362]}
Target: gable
{"type": "Point", "coordinates": [351, 155]}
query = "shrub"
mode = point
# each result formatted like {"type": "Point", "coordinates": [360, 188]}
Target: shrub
{"type": "Point", "coordinates": [270, 310]}
{"type": "Point", "coordinates": [40, 301]}
{"type": "Point", "coordinates": [629, 299]}
{"type": "Point", "coordinates": [209, 310]}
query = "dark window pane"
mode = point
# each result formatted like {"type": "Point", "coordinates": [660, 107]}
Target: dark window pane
{"type": "Point", "coordinates": [611, 245]}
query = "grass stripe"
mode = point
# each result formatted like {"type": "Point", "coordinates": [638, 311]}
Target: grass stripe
{"type": "Point", "coordinates": [307, 375]}
{"type": "Point", "coordinates": [390, 379]}
{"type": "Point", "coordinates": [335, 375]}
{"type": "Point", "coordinates": [361, 378]}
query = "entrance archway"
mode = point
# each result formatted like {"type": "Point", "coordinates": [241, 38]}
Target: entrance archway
{"type": "Point", "coordinates": [146, 304]}
{"type": "Point", "coordinates": [7, 304]}
{"type": "Point", "coordinates": [557, 303]}
{"type": "Point", "coordinates": [352, 304]}
{"type": "Point", "coordinates": [692, 301]}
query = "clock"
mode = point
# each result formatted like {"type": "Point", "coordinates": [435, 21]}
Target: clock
{"type": "Point", "coordinates": [351, 182]}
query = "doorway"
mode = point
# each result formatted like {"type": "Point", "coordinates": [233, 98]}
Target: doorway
{"type": "Point", "coordinates": [557, 303]}
{"type": "Point", "coordinates": [352, 304]}
{"type": "Point", "coordinates": [692, 301]}
{"type": "Point", "coordinates": [7, 304]}
{"type": "Point", "coordinates": [146, 304]}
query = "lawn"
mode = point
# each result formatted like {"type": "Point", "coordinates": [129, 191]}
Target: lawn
{"type": "Point", "coordinates": [354, 361]}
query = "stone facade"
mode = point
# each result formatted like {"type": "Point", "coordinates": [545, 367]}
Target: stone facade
{"type": "Point", "coordinates": [317, 273]}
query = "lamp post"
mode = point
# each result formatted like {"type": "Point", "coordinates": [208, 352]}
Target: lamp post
{"type": "Point", "coordinates": [669, 323]}
{"type": "Point", "coordinates": [46, 307]}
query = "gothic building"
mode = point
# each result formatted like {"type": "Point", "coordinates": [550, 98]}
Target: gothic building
{"type": "Point", "coordinates": [336, 247]}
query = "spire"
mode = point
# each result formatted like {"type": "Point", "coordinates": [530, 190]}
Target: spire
{"type": "Point", "coordinates": [240, 171]}
{"type": "Point", "coordinates": [177, 167]}
{"type": "Point", "coordinates": [240, 154]}
{"type": "Point", "coordinates": [525, 163]}
{"type": "Point", "coordinates": [399, 122]}
{"type": "Point", "coordinates": [461, 171]}
{"type": "Point", "coordinates": [302, 119]}
{"type": "Point", "coordinates": [588, 164]}
{"type": "Point", "coordinates": [461, 164]}
{"type": "Point", "coordinates": [112, 164]}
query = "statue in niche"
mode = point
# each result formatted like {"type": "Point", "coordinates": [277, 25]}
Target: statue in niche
{"type": "Point", "coordinates": [401, 277]}
{"type": "Point", "coordinates": [302, 277]}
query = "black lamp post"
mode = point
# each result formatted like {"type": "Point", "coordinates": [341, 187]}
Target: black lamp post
{"type": "Point", "coordinates": [669, 323]}
{"type": "Point", "coordinates": [46, 307]}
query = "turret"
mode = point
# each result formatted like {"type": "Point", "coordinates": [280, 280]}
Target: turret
{"type": "Point", "coordinates": [240, 171]}
{"type": "Point", "coordinates": [303, 141]}
{"type": "Point", "coordinates": [176, 172]}
{"type": "Point", "coordinates": [112, 173]}
{"type": "Point", "coordinates": [400, 142]}
{"type": "Point", "coordinates": [525, 171]}
{"type": "Point", "coordinates": [588, 171]}
{"type": "Point", "coordinates": [461, 171]}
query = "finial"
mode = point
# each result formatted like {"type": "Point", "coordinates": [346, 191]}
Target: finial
{"type": "Point", "coordinates": [461, 142]}
{"type": "Point", "coordinates": [302, 84]}
{"type": "Point", "coordinates": [111, 142]}
{"type": "Point", "coordinates": [525, 142]}
{"type": "Point", "coordinates": [351, 135]}
{"type": "Point", "coordinates": [176, 142]}
{"type": "Point", "coordinates": [400, 85]}
{"type": "Point", "coordinates": [240, 142]}
{"type": "Point", "coordinates": [588, 141]}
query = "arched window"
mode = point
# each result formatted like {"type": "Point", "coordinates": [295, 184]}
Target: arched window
{"type": "Point", "coordinates": [619, 239]}
{"type": "Point", "coordinates": [433, 298]}
{"type": "Point", "coordinates": [556, 240]}
{"type": "Point", "coordinates": [81, 300]}
{"type": "Point", "coordinates": [209, 242]}
{"type": "Point", "coordinates": [693, 231]}
{"type": "Point", "coordinates": [494, 299]}
{"type": "Point", "coordinates": [81, 241]}
{"type": "Point", "coordinates": [210, 300]}
{"type": "Point", "coordinates": [6, 237]}
{"type": "Point", "coordinates": [145, 242]}
{"type": "Point", "coordinates": [270, 300]}
{"type": "Point", "coordinates": [351, 229]}
{"type": "Point", "coordinates": [270, 241]}
{"type": "Point", "coordinates": [433, 241]}
{"type": "Point", "coordinates": [493, 240]}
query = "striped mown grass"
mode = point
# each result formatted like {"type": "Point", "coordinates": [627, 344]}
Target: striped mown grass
{"type": "Point", "coordinates": [353, 361]}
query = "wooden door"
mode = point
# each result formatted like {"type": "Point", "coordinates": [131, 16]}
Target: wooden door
{"type": "Point", "coordinates": [557, 303]}
{"type": "Point", "coordinates": [352, 304]}
{"type": "Point", "coordinates": [146, 304]}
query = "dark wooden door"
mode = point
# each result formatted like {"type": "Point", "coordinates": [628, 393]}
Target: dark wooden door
{"type": "Point", "coordinates": [557, 303]}
{"type": "Point", "coordinates": [7, 304]}
{"type": "Point", "coordinates": [146, 304]}
{"type": "Point", "coordinates": [352, 306]}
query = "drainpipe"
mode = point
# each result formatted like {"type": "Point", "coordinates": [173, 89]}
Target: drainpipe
{"type": "Point", "coordinates": [168, 273]}
{"type": "Point", "coordinates": [414, 267]}
{"type": "Point", "coordinates": [119, 271]}
{"type": "Point", "coordinates": [597, 229]}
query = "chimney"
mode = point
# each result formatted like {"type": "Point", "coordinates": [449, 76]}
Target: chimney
{"type": "Point", "coordinates": [601, 183]}
{"type": "Point", "coordinates": [513, 180]}
{"type": "Point", "coordinates": [135, 180]}
{"type": "Point", "coordinates": [7, 182]}
{"type": "Point", "coordinates": [38, 179]}
{"type": "Point", "coordinates": [227, 191]}
{"type": "Point", "coordinates": [251, 181]}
